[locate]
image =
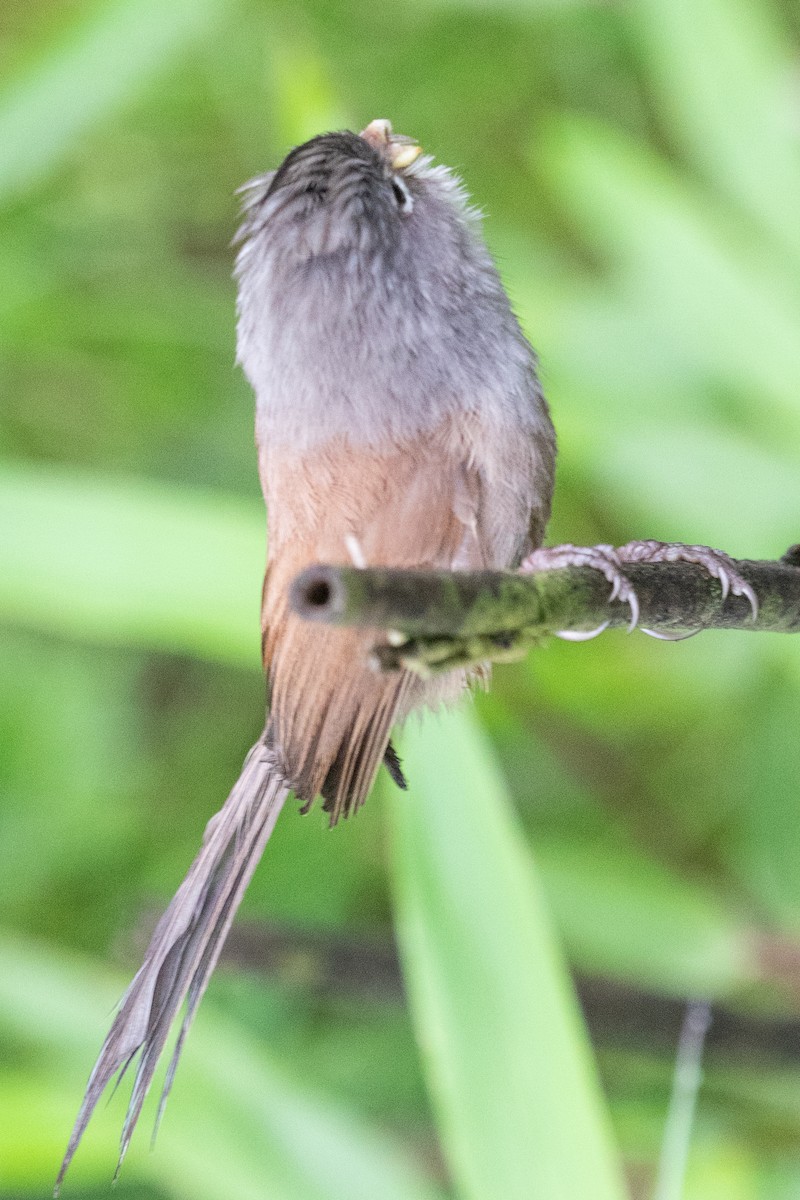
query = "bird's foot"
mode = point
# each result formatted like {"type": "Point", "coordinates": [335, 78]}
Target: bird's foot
{"type": "Point", "coordinates": [716, 562]}
{"type": "Point", "coordinates": [601, 558]}
{"type": "Point", "coordinates": [611, 563]}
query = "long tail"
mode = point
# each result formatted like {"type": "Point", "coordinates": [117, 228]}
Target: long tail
{"type": "Point", "coordinates": [186, 944]}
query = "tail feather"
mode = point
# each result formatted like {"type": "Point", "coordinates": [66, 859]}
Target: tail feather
{"type": "Point", "coordinates": [185, 945]}
{"type": "Point", "coordinates": [363, 746]}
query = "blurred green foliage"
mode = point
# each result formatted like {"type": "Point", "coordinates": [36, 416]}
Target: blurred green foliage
{"type": "Point", "coordinates": [639, 165]}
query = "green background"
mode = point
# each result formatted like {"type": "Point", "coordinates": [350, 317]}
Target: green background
{"type": "Point", "coordinates": [627, 806]}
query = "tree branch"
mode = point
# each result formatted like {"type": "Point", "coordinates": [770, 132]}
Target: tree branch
{"type": "Point", "coordinates": [437, 620]}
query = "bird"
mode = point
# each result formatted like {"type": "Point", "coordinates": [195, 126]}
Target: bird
{"type": "Point", "coordinates": [400, 421]}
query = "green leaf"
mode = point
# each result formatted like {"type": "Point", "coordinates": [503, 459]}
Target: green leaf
{"type": "Point", "coordinates": [695, 283]}
{"type": "Point", "coordinates": [131, 562]}
{"type": "Point", "coordinates": [515, 8]}
{"type": "Point", "coordinates": [624, 915]}
{"type": "Point", "coordinates": [733, 110]}
{"type": "Point", "coordinates": [108, 58]}
{"type": "Point", "coordinates": [766, 853]}
{"type": "Point", "coordinates": [703, 484]}
{"type": "Point", "coordinates": [508, 1060]}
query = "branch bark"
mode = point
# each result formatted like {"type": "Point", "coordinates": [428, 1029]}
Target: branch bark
{"type": "Point", "coordinates": [438, 620]}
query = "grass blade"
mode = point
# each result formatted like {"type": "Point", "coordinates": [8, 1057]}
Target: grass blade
{"type": "Point", "coordinates": [509, 1064]}
{"type": "Point", "coordinates": [108, 58]}
{"type": "Point", "coordinates": [733, 110]}
{"type": "Point", "coordinates": [131, 562]}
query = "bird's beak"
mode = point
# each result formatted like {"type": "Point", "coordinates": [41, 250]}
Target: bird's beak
{"type": "Point", "coordinates": [399, 151]}
{"type": "Point", "coordinates": [403, 152]}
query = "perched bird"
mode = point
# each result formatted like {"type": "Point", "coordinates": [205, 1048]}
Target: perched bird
{"type": "Point", "coordinates": [399, 422]}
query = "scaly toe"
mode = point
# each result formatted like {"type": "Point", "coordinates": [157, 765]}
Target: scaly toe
{"type": "Point", "coordinates": [718, 564]}
{"type": "Point", "coordinates": [602, 558]}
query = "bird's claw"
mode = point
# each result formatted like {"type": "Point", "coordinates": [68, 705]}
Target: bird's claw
{"type": "Point", "coordinates": [581, 635]}
{"type": "Point", "coordinates": [602, 558]}
{"type": "Point", "coordinates": [718, 564]}
{"type": "Point", "coordinates": [664, 635]}
{"type": "Point", "coordinates": [611, 564]}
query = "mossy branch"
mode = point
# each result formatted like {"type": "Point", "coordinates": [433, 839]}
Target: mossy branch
{"type": "Point", "coordinates": [437, 620]}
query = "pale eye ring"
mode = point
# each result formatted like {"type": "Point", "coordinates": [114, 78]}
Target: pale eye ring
{"type": "Point", "coordinates": [401, 195]}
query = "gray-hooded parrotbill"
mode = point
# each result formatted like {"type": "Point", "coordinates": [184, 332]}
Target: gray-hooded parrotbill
{"type": "Point", "coordinates": [400, 422]}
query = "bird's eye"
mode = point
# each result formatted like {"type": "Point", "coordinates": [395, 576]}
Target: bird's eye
{"type": "Point", "coordinates": [402, 195]}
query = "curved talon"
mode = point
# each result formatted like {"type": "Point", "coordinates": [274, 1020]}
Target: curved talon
{"type": "Point", "coordinates": [718, 564]}
{"type": "Point", "coordinates": [751, 597]}
{"type": "Point", "coordinates": [663, 636]}
{"type": "Point", "coordinates": [633, 601]}
{"type": "Point", "coordinates": [581, 635]}
{"type": "Point", "coordinates": [610, 563]}
{"type": "Point", "coordinates": [602, 558]}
